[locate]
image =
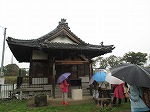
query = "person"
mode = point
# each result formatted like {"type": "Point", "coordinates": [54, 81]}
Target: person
{"type": "Point", "coordinates": [137, 104]}
{"type": "Point", "coordinates": [118, 93]}
{"type": "Point", "coordinates": [105, 85]}
{"type": "Point", "coordinates": [126, 92]}
{"type": "Point", "coordinates": [95, 90]}
{"type": "Point", "coordinates": [64, 88]}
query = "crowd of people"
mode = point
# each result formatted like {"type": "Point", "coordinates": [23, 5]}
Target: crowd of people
{"type": "Point", "coordinates": [134, 93]}
{"type": "Point", "coordinates": [120, 92]}
{"type": "Point", "coordinates": [127, 93]}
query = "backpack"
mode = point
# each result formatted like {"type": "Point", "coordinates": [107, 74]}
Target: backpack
{"type": "Point", "coordinates": [146, 96]}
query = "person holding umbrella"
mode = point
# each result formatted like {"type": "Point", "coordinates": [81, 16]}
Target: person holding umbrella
{"type": "Point", "coordinates": [118, 93]}
{"type": "Point", "coordinates": [126, 92]}
{"type": "Point", "coordinates": [137, 77]}
{"type": "Point", "coordinates": [137, 104]}
{"type": "Point", "coordinates": [97, 78]}
{"type": "Point", "coordinates": [64, 87]}
{"type": "Point", "coordinates": [95, 90]}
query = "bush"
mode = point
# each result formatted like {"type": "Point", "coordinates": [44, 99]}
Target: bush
{"type": "Point", "coordinates": [10, 79]}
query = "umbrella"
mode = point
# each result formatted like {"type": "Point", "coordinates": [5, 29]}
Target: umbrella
{"type": "Point", "coordinates": [113, 80]}
{"type": "Point", "coordinates": [132, 74]}
{"type": "Point", "coordinates": [63, 77]}
{"type": "Point", "coordinates": [98, 77]}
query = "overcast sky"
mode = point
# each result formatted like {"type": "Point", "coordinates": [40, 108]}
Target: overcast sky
{"type": "Point", "coordinates": [122, 23]}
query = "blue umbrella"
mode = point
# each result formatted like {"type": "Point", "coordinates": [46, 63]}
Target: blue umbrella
{"type": "Point", "coordinates": [63, 77]}
{"type": "Point", "coordinates": [98, 77]}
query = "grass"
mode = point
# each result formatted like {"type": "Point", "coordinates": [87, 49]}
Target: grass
{"type": "Point", "coordinates": [22, 106]}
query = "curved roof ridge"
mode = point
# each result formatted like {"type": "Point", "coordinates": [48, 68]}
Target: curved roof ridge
{"type": "Point", "coordinates": [18, 40]}
{"type": "Point", "coordinates": [62, 25]}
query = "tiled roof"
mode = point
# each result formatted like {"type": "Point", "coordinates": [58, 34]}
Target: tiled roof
{"type": "Point", "coordinates": [59, 45]}
{"type": "Point", "coordinates": [44, 42]}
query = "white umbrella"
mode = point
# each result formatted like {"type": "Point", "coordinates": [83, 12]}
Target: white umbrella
{"type": "Point", "coordinates": [113, 80]}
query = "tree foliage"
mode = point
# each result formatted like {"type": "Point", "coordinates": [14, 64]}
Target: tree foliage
{"type": "Point", "coordinates": [113, 60]}
{"type": "Point", "coordinates": [14, 70]}
{"type": "Point", "coordinates": [23, 72]}
{"type": "Point", "coordinates": [135, 58]}
{"type": "Point", "coordinates": [11, 70]}
{"type": "Point", "coordinates": [100, 61]}
{"type": "Point", "coordinates": [108, 61]}
{"type": "Point", "coordinates": [130, 57]}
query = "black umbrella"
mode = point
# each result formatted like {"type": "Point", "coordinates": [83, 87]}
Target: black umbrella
{"type": "Point", "coordinates": [132, 74]}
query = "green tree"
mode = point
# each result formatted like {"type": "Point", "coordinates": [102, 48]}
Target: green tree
{"type": "Point", "coordinates": [108, 61]}
{"type": "Point", "coordinates": [135, 58]}
{"type": "Point", "coordinates": [11, 70]}
{"type": "Point", "coordinates": [22, 72]}
{"type": "Point", "coordinates": [113, 60]}
{"type": "Point", "coordinates": [101, 62]}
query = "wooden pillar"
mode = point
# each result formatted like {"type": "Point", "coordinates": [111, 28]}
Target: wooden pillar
{"type": "Point", "coordinates": [53, 81]}
{"type": "Point", "coordinates": [20, 97]}
{"type": "Point", "coordinates": [91, 70]}
{"type": "Point", "coordinates": [77, 70]}
{"type": "Point", "coordinates": [30, 72]}
{"type": "Point", "coordinates": [90, 76]}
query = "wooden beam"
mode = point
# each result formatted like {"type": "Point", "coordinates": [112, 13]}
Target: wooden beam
{"type": "Point", "coordinates": [67, 62]}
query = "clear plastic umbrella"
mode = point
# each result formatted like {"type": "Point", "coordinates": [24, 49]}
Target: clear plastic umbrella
{"type": "Point", "coordinates": [113, 80]}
